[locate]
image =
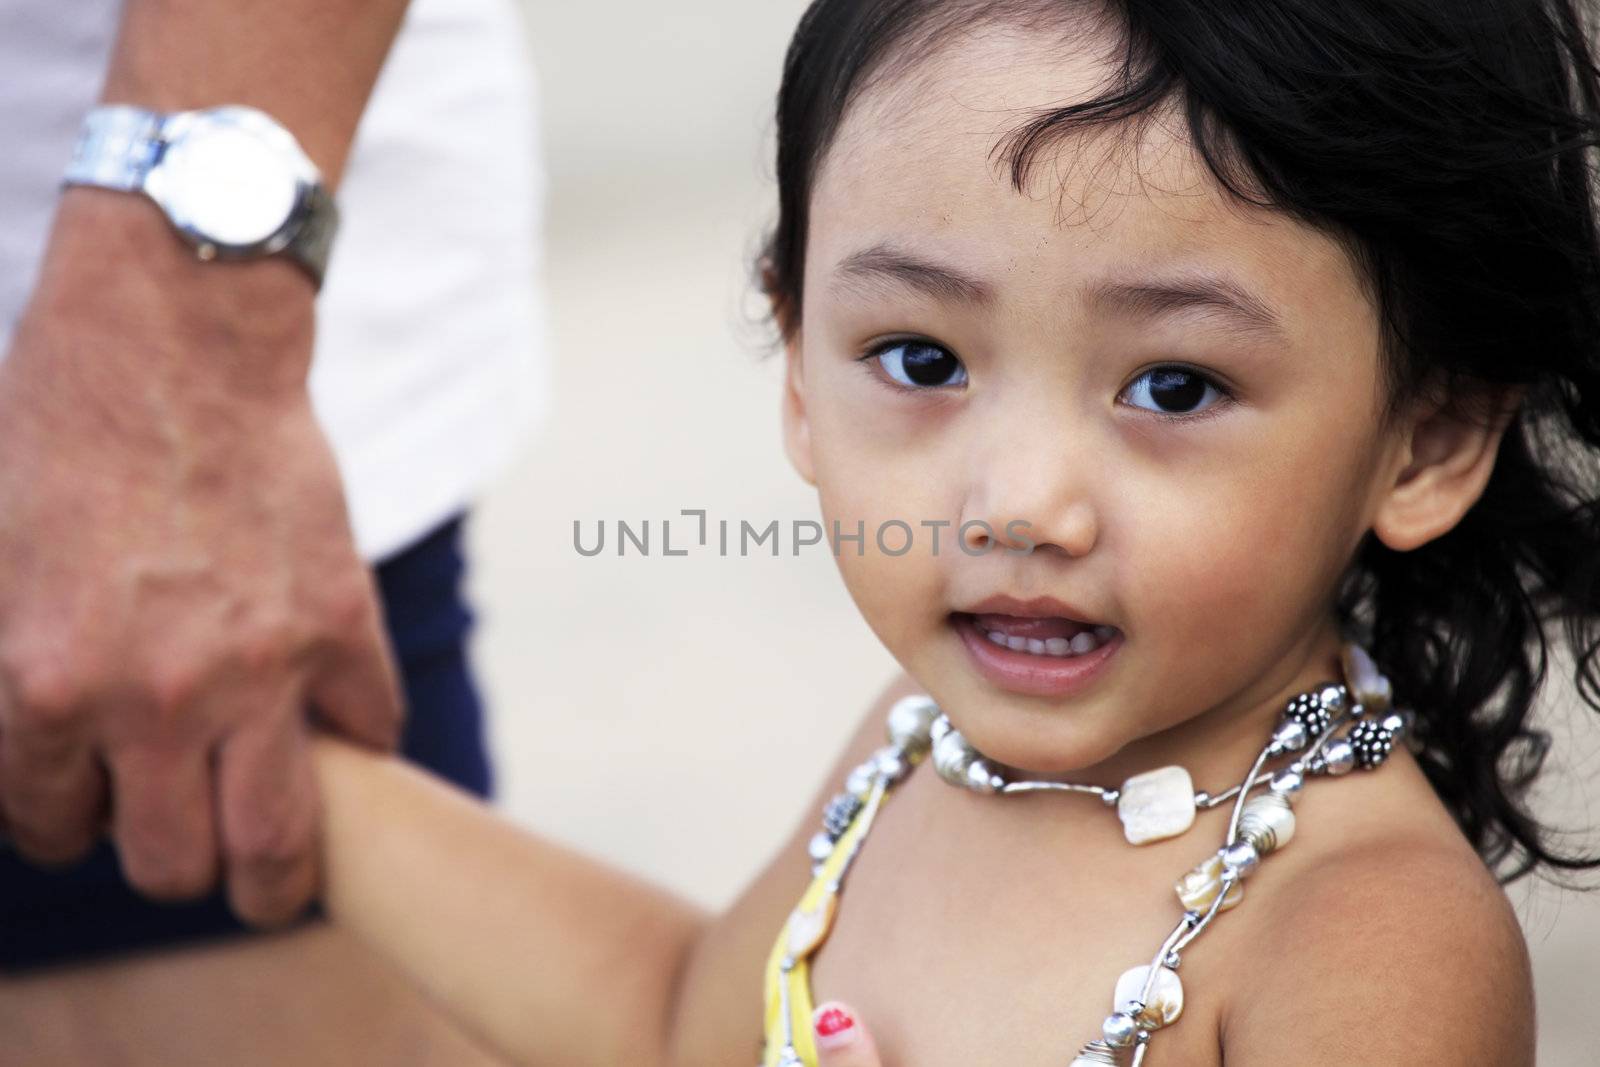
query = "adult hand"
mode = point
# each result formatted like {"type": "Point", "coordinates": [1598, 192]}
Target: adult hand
{"type": "Point", "coordinates": [177, 574]}
{"type": "Point", "coordinates": [842, 1039]}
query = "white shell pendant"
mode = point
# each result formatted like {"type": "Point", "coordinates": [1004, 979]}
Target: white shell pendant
{"type": "Point", "coordinates": [1199, 888]}
{"type": "Point", "coordinates": [808, 927]}
{"type": "Point", "coordinates": [1166, 996]}
{"type": "Point", "coordinates": [1156, 805]}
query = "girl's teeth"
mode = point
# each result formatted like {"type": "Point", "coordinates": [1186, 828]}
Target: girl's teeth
{"type": "Point", "coordinates": [1087, 641]}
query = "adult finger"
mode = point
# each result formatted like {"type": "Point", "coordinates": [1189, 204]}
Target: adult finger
{"type": "Point", "coordinates": [267, 810]}
{"type": "Point", "coordinates": [357, 691]}
{"type": "Point", "coordinates": [52, 784]}
{"type": "Point", "coordinates": [161, 819]}
{"type": "Point", "coordinates": [842, 1040]}
{"type": "Point", "coordinates": [73, 798]}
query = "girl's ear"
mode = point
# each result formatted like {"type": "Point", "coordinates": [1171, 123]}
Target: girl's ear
{"type": "Point", "coordinates": [796, 424]}
{"type": "Point", "coordinates": [1445, 459]}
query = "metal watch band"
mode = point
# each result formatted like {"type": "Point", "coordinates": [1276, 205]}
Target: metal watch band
{"type": "Point", "coordinates": [119, 144]}
{"type": "Point", "coordinates": [312, 242]}
{"type": "Point", "coordinates": [116, 148]}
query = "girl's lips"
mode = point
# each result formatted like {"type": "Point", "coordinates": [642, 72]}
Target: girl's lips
{"type": "Point", "coordinates": [1028, 673]}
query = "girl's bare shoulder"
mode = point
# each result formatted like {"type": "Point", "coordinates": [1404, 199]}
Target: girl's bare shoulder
{"type": "Point", "coordinates": [1392, 942]}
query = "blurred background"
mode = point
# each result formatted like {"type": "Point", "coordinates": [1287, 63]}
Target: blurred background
{"type": "Point", "coordinates": [673, 715]}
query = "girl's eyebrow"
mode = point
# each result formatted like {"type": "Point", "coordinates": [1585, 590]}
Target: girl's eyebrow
{"type": "Point", "coordinates": [1202, 290]}
{"type": "Point", "coordinates": [885, 262]}
{"type": "Point", "coordinates": [1145, 297]}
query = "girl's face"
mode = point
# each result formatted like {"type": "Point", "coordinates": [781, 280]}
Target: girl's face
{"type": "Point", "coordinates": [1174, 398]}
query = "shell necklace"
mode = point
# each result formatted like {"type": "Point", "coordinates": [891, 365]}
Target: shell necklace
{"type": "Point", "coordinates": [1327, 731]}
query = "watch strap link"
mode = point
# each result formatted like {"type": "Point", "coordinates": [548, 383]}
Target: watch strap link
{"type": "Point", "coordinates": [313, 239]}
{"type": "Point", "coordinates": [116, 148]}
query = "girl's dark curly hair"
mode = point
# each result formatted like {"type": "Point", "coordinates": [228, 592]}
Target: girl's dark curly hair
{"type": "Point", "coordinates": [1449, 146]}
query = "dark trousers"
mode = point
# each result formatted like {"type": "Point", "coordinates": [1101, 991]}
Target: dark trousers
{"type": "Point", "coordinates": [87, 910]}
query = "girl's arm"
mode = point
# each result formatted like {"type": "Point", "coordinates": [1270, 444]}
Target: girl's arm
{"type": "Point", "coordinates": [550, 957]}
{"type": "Point", "coordinates": [546, 955]}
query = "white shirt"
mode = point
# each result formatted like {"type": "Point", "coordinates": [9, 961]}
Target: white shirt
{"type": "Point", "coordinates": [429, 363]}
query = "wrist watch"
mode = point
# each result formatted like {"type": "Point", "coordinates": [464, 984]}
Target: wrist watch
{"type": "Point", "coordinates": [234, 183]}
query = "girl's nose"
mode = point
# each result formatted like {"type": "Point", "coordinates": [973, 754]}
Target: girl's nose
{"type": "Point", "coordinates": [1030, 509]}
{"type": "Point", "coordinates": [1038, 491]}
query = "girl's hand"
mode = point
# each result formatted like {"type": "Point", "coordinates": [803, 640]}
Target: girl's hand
{"type": "Point", "coordinates": [842, 1041]}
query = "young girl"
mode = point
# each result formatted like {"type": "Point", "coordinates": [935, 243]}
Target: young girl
{"type": "Point", "coordinates": [1186, 339]}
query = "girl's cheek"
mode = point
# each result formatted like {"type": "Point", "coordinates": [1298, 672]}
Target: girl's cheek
{"type": "Point", "coordinates": [1225, 566]}
{"type": "Point", "coordinates": [889, 511]}
{"type": "Point", "coordinates": [884, 462]}
{"type": "Point", "coordinates": [1193, 565]}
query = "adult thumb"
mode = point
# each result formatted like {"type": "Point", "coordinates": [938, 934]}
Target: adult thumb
{"type": "Point", "coordinates": [842, 1041]}
{"type": "Point", "coordinates": [358, 694]}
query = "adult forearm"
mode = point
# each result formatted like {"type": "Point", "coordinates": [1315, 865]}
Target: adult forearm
{"type": "Point", "coordinates": [178, 578]}
{"type": "Point", "coordinates": [548, 955]}
{"type": "Point", "coordinates": [115, 266]}
{"type": "Point", "coordinates": [311, 64]}
{"type": "Point", "coordinates": [116, 269]}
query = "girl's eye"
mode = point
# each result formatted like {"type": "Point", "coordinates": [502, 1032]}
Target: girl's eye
{"type": "Point", "coordinates": [921, 365]}
{"type": "Point", "coordinates": [1173, 391]}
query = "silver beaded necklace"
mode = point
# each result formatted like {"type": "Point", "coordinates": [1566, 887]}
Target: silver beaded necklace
{"type": "Point", "coordinates": [1327, 731]}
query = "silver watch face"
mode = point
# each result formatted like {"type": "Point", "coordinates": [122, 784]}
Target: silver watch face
{"type": "Point", "coordinates": [229, 180]}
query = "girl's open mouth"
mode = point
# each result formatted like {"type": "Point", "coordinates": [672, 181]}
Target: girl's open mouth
{"type": "Point", "coordinates": [1052, 656]}
{"type": "Point", "coordinates": [1042, 637]}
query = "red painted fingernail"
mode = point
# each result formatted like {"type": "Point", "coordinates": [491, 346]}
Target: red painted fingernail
{"type": "Point", "coordinates": [833, 1020]}
{"type": "Point", "coordinates": [834, 1025]}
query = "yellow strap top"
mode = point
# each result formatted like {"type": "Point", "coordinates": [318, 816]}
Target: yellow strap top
{"type": "Point", "coordinates": [789, 1040]}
